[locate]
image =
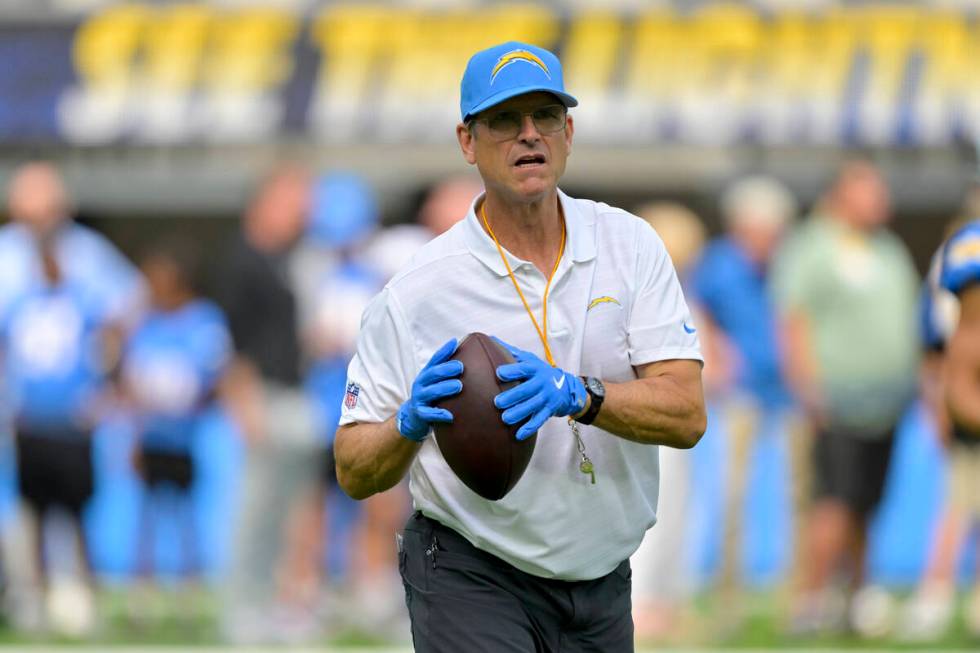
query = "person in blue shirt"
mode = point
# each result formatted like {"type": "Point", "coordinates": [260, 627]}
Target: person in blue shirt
{"type": "Point", "coordinates": [663, 574]}
{"type": "Point", "coordinates": [730, 286]}
{"type": "Point", "coordinates": [961, 276]}
{"type": "Point", "coordinates": [951, 331]}
{"type": "Point", "coordinates": [172, 368]}
{"type": "Point", "coordinates": [65, 296]}
{"type": "Point", "coordinates": [39, 207]}
{"type": "Point", "coordinates": [930, 611]}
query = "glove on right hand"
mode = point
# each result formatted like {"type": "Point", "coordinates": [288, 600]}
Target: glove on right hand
{"type": "Point", "coordinates": [436, 381]}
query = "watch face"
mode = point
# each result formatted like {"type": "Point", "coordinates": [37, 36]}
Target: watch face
{"type": "Point", "coordinates": [596, 387]}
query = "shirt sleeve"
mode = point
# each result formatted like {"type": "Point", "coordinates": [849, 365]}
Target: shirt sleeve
{"type": "Point", "coordinates": [380, 375]}
{"type": "Point", "coordinates": [212, 344]}
{"type": "Point", "coordinates": [660, 323]}
{"type": "Point", "coordinates": [115, 280]}
{"type": "Point", "coordinates": [961, 259]}
{"type": "Point", "coordinates": [14, 266]}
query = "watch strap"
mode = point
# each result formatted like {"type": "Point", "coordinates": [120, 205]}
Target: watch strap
{"type": "Point", "coordinates": [595, 403]}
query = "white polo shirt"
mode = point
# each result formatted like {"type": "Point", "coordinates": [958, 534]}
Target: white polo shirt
{"type": "Point", "coordinates": [615, 303]}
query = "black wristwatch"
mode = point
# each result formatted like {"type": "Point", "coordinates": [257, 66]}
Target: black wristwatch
{"type": "Point", "coordinates": [597, 392]}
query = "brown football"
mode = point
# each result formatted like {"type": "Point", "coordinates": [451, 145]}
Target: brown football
{"type": "Point", "coordinates": [480, 448]}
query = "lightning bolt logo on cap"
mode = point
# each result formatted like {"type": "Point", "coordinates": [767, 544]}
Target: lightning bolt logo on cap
{"type": "Point", "coordinates": [529, 69]}
{"type": "Point", "coordinates": [514, 56]}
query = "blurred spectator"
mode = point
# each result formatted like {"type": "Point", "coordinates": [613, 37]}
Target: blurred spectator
{"type": "Point", "coordinates": [257, 289]}
{"type": "Point", "coordinates": [730, 285]}
{"type": "Point", "coordinates": [364, 259]}
{"type": "Point", "coordinates": [445, 204]}
{"type": "Point", "coordinates": [846, 289]}
{"type": "Point", "coordinates": [929, 613]}
{"type": "Point", "coordinates": [662, 571]}
{"type": "Point", "coordinates": [172, 366]}
{"type": "Point", "coordinates": [64, 294]}
{"type": "Point", "coordinates": [344, 219]}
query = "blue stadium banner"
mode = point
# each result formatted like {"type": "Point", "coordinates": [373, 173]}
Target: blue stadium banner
{"type": "Point", "coordinates": [895, 74]}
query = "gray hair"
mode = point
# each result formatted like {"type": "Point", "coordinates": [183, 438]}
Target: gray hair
{"type": "Point", "coordinates": [758, 200]}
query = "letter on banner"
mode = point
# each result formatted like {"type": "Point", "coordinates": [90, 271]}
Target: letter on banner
{"type": "Point", "coordinates": [247, 65]}
{"type": "Point", "coordinates": [172, 62]}
{"type": "Point", "coordinates": [590, 58]}
{"type": "Point", "coordinates": [349, 39]}
{"type": "Point", "coordinates": [652, 78]}
{"type": "Point", "coordinates": [98, 108]}
{"type": "Point", "coordinates": [887, 34]}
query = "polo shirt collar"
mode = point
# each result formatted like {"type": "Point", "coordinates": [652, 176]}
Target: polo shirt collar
{"type": "Point", "coordinates": [579, 237]}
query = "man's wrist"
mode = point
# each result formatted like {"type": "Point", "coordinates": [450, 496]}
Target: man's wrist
{"type": "Point", "coordinates": [407, 429]}
{"type": "Point", "coordinates": [596, 394]}
{"type": "Point", "coordinates": [585, 408]}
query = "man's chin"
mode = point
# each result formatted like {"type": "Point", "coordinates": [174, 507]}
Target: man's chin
{"type": "Point", "coordinates": [535, 188]}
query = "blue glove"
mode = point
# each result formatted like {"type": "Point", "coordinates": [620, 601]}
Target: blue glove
{"type": "Point", "coordinates": [546, 392]}
{"type": "Point", "coordinates": [433, 383]}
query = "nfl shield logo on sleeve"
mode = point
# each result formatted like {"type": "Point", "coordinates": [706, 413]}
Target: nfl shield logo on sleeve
{"type": "Point", "coordinates": [350, 397]}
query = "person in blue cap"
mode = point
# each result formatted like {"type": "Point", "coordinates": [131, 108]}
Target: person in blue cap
{"type": "Point", "coordinates": [603, 340]}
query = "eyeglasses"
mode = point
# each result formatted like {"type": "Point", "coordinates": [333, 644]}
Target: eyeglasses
{"type": "Point", "coordinates": [507, 124]}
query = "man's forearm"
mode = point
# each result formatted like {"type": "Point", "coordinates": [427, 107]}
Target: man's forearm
{"type": "Point", "coordinates": [371, 458]}
{"type": "Point", "coordinates": [665, 409]}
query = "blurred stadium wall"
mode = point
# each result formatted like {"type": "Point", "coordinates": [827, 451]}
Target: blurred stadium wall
{"type": "Point", "coordinates": [171, 110]}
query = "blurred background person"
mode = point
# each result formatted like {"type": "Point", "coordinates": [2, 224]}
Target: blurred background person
{"type": "Point", "coordinates": [447, 202]}
{"type": "Point", "coordinates": [172, 369]}
{"type": "Point", "coordinates": [256, 287]}
{"type": "Point", "coordinates": [846, 291]}
{"type": "Point", "coordinates": [730, 286]}
{"type": "Point", "coordinates": [929, 612]}
{"type": "Point", "coordinates": [961, 382]}
{"type": "Point", "coordinates": [663, 576]}
{"type": "Point", "coordinates": [65, 296]}
{"type": "Point", "coordinates": [345, 219]}
{"type": "Point", "coordinates": [392, 249]}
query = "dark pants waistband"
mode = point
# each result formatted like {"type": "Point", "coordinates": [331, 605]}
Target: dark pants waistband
{"type": "Point", "coordinates": [453, 541]}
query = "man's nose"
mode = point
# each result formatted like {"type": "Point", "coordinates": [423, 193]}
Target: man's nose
{"type": "Point", "coordinates": [529, 131]}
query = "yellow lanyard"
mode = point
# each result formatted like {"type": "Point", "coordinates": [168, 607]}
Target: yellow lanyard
{"type": "Point", "coordinates": [542, 333]}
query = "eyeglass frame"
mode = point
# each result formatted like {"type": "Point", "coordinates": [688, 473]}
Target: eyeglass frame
{"type": "Point", "coordinates": [485, 120]}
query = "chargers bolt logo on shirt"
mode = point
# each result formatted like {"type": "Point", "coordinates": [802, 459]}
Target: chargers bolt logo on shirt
{"type": "Point", "coordinates": [605, 299]}
{"type": "Point", "coordinates": [350, 397]}
{"type": "Point", "coordinates": [513, 57]}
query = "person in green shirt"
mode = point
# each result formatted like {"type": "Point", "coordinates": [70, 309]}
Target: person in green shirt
{"type": "Point", "coordinates": [845, 287]}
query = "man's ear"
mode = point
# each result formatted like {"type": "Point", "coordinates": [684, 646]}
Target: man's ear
{"type": "Point", "coordinates": [569, 132]}
{"type": "Point", "coordinates": [467, 143]}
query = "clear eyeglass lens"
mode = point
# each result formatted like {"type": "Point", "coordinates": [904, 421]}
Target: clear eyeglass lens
{"type": "Point", "coordinates": [507, 124]}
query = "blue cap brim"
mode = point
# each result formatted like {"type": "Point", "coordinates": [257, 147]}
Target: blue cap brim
{"type": "Point", "coordinates": [503, 96]}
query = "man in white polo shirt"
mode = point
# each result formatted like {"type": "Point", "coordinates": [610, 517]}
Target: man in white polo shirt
{"type": "Point", "coordinates": [546, 568]}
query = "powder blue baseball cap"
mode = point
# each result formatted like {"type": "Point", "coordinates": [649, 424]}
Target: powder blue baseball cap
{"type": "Point", "coordinates": [507, 70]}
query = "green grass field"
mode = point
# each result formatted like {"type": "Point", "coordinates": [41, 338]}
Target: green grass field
{"type": "Point", "coordinates": [170, 622]}
{"type": "Point", "coordinates": [370, 649]}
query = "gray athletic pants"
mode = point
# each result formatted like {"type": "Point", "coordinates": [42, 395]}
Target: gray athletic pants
{"type": "Point", "coordinates": [463, 599]}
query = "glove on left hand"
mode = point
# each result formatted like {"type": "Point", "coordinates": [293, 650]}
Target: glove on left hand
{"type": "Point", "coordinates": [546, 392]}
